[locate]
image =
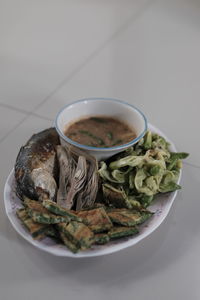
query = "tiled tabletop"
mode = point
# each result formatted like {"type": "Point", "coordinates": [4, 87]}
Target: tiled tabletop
{"type": "Point", "coordinates": [144, 52]}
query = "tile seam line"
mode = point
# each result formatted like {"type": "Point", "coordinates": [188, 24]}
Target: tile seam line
{"type": "Point", "coordinates": [8, 106]}
{"type": "Point", "coordinates": [191, 165]}
{"type": "Point", "coordinates": [124, 26]}
{"type": "Point", "coordinates": [21, 122]}
{"type": "Point", "coordinates": [13, 129]}
{"type": "Point", "coordinates": [25, 112]}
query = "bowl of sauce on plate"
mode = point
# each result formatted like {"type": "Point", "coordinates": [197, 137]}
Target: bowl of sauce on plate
{"type": "Point", "coordinates": [100, 126]}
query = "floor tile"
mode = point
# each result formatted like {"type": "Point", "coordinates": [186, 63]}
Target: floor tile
{"type": "Point", "coordinates": [155, 65]}
{"type": "Point", "coordinates": [44, 42]}
{"type": "Point", "coordinates": [9, 118]}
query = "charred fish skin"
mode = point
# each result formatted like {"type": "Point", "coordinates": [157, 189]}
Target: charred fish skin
{"type": "Point", "coordinates": [35, 168]}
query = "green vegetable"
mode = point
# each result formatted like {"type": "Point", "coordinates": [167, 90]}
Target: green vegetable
{"type": "Point", "coordinates": [37, 231]}
{"type": "Point", "coordinates": [169, 187]}
{"type": "Point", "coordinates": [119, 232]}
{"type": "Point", "coordinates": [70, 245]}
{"type": "Point", "coordinates": [52, 232]}
{"type": "Point", "coordinates": [99, 120]}
{"type": "Point", "coordinates": [159, 142]}
{"type": "Point", "coordinates": [145, 200]}
{"type": "Point", "coordinates": [130, 160]}
{"type": "Point", "coordinates": [98, 139]}
{"type": "Point", "coordinates": [58, 210]}
{"type": "Point", "coordinates": [101, 238]}
{"type": "Point", "coordinates": [155, 170]}
{"type": "Point", "coordinates": [128, 217]}
{"type": "Point", "coordinates": [134, 177]}
{"type": "Point", "coordinates": [115, 197]}
{"type": "Point", "coordinates": [147, 140]}
{"type": "Point", "coordinates": [134, 202]}
{"type": "Point", "coordinates": [132, 180]}
{"type": "Point", "coordinates": [110, 135]}
{"type": "Point", "coordinates": [174, 158]}
{"type": "Point", "coordinates": [117, 142]}
{"type": "Point", "coordinates": [45, 218]}
{"type": "Point", "coordinates": [106, 175]}
{"type": "Point", "coordinates": [96, 219]}
{"type": "Point", "coordinates": [78, 234]}
{"type": "Point", "coordinates": [119, 176]}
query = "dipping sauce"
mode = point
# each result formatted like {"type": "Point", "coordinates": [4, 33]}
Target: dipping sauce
{"type": "Point", "coordinates": [100, 131]}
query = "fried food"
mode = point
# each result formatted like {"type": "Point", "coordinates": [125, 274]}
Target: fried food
{"type": "Point", "coordinates": [96, 219]}
{"type": "Point", "coordinates": [46, 218]}
{"type": "Point", "coordinates": [35, 168]}
{"type": "Point", "coordinates": [101, 238]}
{"type": "Point", "coordinates": [58, 210]}
{"type": "Point", "coordinates": [38, 231]}
{"type": "Point", "coordinates": [128, 217]}
{"type": "Point", "coordinates": [119, 232]}
{"type": "Point", "coordinates": [77, 233]}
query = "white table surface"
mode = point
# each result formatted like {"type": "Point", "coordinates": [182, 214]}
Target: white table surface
{"type": "Point", "coordinates": [144, 52]}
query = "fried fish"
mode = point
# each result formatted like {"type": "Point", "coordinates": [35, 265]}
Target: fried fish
{"type": "Point", "coordinates": [35, 168]}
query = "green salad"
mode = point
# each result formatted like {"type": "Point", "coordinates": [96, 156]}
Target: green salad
{"type": "Point", "coordinates": [134, 177]}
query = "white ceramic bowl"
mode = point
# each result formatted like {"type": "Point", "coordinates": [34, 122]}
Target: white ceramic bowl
{"type": "Point", "coordinates": [98, 107]}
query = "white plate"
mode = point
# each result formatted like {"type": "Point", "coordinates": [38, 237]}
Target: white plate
{"type": "Point", "coordinates": [161, 207]}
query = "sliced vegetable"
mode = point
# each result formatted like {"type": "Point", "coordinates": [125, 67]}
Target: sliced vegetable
{"type": "Point", "coordinates": [78, 233]}
{"type": "Point", "coordinates": [141, 172]}
{"type": "Point", "coordinates": [174, 158]}
{"type": "Point", "coordinates": [61, 211]}
{"type": "Point", "coordinates": [96, 219]}
{"type": "Point", "coordinates": [38, 231]}
{"type": "Point", "coordinates": [128, 217]}
{"type": "Point", "coordinates": [46, 218]}
{"type": "Point", "coordinates": [119, 232]}
{"type": "Point", "coordinates": [147, 140]}
{"type": "Point", "coordinates": [70, 245]}
{"type": "Point", "coordinates": [115, 197]}
{"type": "Point", "coordinates": [130, 160]}
{"type": "Point", "coordinates": [101, 238]}
{"type": "Point", "coordinates": [96, 138]}
{"type": "Point", "coordinates": [110, 135]}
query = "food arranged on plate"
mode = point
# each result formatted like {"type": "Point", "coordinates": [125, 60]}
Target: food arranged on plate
{"type": "Point", "coordinates": [69, 196]}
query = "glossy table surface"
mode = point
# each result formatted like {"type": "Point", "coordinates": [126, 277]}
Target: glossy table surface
{"type": "Point", "coordinates": [144, 52]}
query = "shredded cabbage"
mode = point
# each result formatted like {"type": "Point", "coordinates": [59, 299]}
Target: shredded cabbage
{"type": "Point", "coordinates": [142, 171]}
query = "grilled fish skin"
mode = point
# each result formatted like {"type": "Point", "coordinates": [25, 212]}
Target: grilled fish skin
{"type": "Point", "coordinates": [35, 168]}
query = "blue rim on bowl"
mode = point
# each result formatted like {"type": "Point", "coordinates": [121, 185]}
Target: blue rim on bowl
{"type": "Point", "coordinates": [121, 147]}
